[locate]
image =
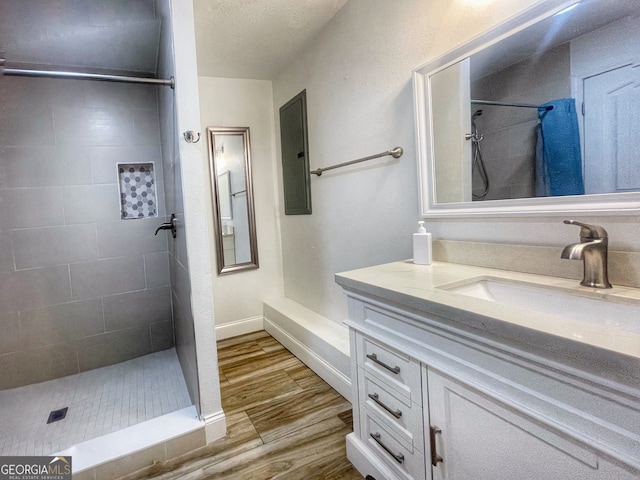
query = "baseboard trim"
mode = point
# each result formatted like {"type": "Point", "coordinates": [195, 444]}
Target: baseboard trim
{"type": "Point", "coordinates": [239, 327]}
{"type": "Point", "coordinates": [340, 382]}
{"type": "Point", "coordinates": [215, 426]}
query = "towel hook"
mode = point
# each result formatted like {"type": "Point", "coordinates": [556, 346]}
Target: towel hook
{"type": "Point", "coordinates": [190, 136]}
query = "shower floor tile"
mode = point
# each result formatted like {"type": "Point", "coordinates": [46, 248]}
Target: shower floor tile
{"type": "Point", "coordinates": [100, 401]}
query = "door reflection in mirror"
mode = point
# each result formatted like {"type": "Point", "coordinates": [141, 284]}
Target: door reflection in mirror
{"type": "Point", "coordinates": [233, 207]}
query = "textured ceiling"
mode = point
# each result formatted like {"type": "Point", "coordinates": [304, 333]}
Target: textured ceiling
{"type": "Point", "coordinates": [256, 38]}
{"type": "Point", "coordinates": [235, 38]}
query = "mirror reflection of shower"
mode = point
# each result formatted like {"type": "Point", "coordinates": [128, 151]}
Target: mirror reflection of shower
{"type": "Point", "coordinates": [478, 167]}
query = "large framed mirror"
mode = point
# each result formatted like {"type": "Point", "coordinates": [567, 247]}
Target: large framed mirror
{"type": "Point", "coordinates": [536, 117]}
{"type": "Point", "coordinates": [233, 208]}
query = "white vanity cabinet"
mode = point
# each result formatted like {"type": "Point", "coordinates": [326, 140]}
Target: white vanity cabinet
{"type": "Point", "coordinates": [229, 248]}
{"type": "Point", "coordinates": [482, 438]}
{"type": "Point", "coordinates": [426, 387]}
{"type": "Point", "coordinates": [390, 408]}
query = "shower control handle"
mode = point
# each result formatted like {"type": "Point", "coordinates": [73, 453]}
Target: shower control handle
{"type": "Point", "coordinates": [171, 225]}
{"type": "Point", "coordinates": [474, 137]}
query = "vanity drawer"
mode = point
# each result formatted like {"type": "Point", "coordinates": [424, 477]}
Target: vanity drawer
{"type": "Point", "coordinates": [398, 371]}
{"type": "Point", "coordinates": [407, 462]}
{"type": "Point", "coordinates": [402, 417]}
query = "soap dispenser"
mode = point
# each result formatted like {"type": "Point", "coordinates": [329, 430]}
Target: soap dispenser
{"type": "Point", "coordinates": [422, 246]}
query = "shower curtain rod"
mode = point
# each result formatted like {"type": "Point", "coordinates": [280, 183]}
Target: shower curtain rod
{"type": "Point", "coordinates": [501, 104]}
{"type": "Point", "coordinates": [87, 76]}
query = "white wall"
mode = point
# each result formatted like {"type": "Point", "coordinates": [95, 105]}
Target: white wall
{"type": "Point", "coordinates": [359, 96]}
{"type": "Point", "coordinates": [228, 102]}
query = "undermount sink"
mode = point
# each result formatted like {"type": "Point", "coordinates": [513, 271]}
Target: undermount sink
{"type": "Point", "coordinates": [585, 306]}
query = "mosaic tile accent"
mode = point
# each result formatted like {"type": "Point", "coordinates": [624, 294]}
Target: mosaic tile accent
{"type": "Point", "coordinates": [137, 190]}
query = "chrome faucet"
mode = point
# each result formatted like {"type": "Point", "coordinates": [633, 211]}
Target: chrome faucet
{"type": "Point", "coordinates": [592, 249]}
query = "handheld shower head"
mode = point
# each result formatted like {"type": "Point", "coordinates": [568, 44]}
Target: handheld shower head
{"type": "Point", "coordinates": [476, 114]}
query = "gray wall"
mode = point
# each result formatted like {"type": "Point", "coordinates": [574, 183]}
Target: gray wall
{"type": "Point", "coordinates": [178, 260]}
{"type": "Point", "coordinates": [79, 288]}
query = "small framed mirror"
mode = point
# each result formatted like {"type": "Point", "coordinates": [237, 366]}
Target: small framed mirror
{"type": "Point", "coordinates": [233, 208]}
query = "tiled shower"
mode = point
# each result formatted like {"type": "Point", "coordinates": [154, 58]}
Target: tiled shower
{"type": "Point", "coordinates": [84, 282]}
{"type": "Point", "coordinates": [80, 287]}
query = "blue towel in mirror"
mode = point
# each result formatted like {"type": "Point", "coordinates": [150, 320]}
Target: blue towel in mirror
{"type": "Point", "coordinates": [560, 168]}
{"type": "Point", "coordinates": [542, 185]}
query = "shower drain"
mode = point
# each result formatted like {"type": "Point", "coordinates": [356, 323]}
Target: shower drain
{"type": "Point", "coordinates": [57, 415]}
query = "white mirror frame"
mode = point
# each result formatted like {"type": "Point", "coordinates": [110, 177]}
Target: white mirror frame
{"type": "Point", "coordinates": [598, 204]}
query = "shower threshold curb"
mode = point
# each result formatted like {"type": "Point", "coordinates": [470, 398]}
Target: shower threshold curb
{"type": "Point", "coordinates": [155, 432]}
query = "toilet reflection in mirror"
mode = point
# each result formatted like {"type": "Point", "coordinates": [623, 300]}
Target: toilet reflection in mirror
{"type": "Point", "coordinates": [233, 207]}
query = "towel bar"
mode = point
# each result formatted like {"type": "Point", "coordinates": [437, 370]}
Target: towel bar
{"type": "Point", "coordinates": [395, 153]}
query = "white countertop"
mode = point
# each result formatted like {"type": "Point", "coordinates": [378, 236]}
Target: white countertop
{"type": "Point", "coordinates": [416, 287]}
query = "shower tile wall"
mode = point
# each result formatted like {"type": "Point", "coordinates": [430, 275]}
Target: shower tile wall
{"type": "Point", "coordinates": [79, 287]}
{"type": "Point", "coordinates": [172, 167]}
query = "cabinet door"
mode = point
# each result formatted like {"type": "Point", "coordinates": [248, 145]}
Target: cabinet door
{"type": "Point", "coordinates": [482, 439]}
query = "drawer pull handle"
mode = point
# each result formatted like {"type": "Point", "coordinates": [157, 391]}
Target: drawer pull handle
{"type": "Point", "coordinates": [373, 357]}
{"type": "Point", "coordinates": [397, 457]}
{"type": "Point", "coordinates": [376, 398]}
{"type": "Point", "coordinates": [435, 458]}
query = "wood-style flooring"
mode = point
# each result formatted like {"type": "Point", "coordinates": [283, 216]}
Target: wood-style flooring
{"type": "Point", "coordinates": [283, 421]}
